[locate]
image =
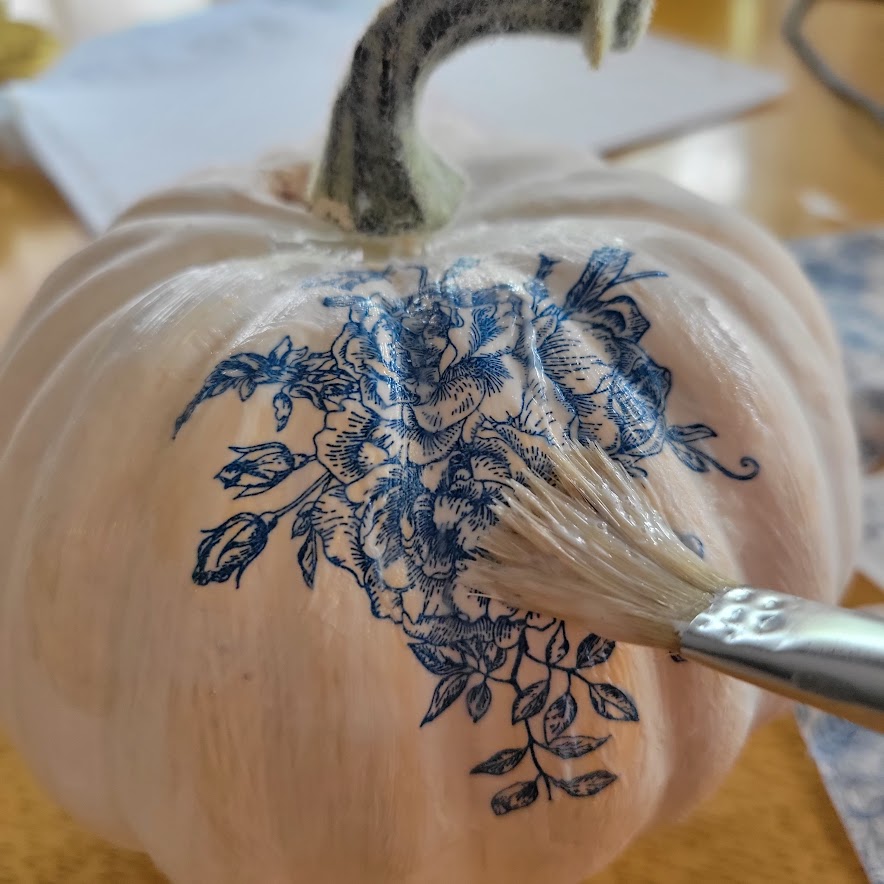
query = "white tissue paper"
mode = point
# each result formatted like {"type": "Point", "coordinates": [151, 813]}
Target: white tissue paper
{"type": "Point", "coordinates": [125, 114]}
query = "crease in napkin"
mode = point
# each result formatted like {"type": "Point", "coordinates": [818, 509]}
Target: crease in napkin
{"type": "Point", "coordinates": [125, 114]}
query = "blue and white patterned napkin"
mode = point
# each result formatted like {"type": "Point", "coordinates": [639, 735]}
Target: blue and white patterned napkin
{"type": "Point", "coordinates": [848, 269]}
{"type": "Point", "coordinates": [850, 760]}
{"type": "Point", "coordinates": [871, 557]}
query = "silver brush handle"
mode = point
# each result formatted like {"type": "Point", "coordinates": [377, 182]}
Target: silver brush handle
{"type": "Point", "coordinates": [820, 655]}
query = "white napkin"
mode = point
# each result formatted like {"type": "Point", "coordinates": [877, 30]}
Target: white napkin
{"type": "Point", "coordinates": [125, 114]}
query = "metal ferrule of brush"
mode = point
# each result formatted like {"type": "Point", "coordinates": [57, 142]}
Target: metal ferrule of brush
{"type": "Point", "coordinates": [823, 656]}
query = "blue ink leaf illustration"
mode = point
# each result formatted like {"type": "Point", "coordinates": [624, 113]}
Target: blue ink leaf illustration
{"type": "Point", "coordinates": [501, 762]}
{"type": "Point", "coordinates": [302, 523]}
{"type": "Point", "coordinates": [247, 389]}
{"type": "Point", "coordinates": [619, 316]}
{"type": "Point", "coordinates": [691, 433]}
{"type": "Point", "coordinates": [559, 716]}
{"type": "Point", "coordinates": [284, 353]}
{"type": "Point", "coordinates": [530, 701]}
{"type": "Point", "coordinates": [694, 544]}
{"type": "Point", "coordinates": [529, 448]}
{"type": "Point", "coordinates": [680, 439]}
{"type": "Point", "coordinates": [437, 660]}
{"type": "Point", "coordinates": [593, 650]}
{"type": "Point", "coordinates": [514, 797]}
{"type": "Point", "coordinates": [588, 784]}
{"type": "Point", "coordinates": [336, 520]}
{"type": "Point", "coordinates": [603, 272]}
{"type": "Point", "coordinates": [434, 395]}
{"type": "Point", "coordinates": [558, 645]}
{"type": "Point", "coordinates": [691, 458]}
{"type": "Point", "coordinates": [575, 747]}
{"type": "Point", "coordinates": [350, 279]}
{"type": "Point", "coordinates": [612, 703]}
{"type": "Point", "coordinates": [545, 267]}
{"type": "Point", "coordinates": [497, 658]}
{"type": "Point", "coordinates": [447, 691]}
{"type": "Point", "coordinates": [540, 622]}
{"type": "Point", "coordinates": [478, 700]}
{"type": "Point", "coordinates": [701, 462]}
{"type": "Point", "coordinates": [282, 410]}
{"type": "Point", "coordinates": [604, 267]}
{"type": "Point", "coordinates": [308, 558]}
{"type": "Point", "coordinates": [279, 353]}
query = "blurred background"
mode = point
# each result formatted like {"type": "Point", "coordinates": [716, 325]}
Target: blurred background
{"type": "Point", "coordinates": [800, 143]}
{"type": "Point", "coordinates": [75, 20]}
{"type": "Point", "coordinates": [772, 107]}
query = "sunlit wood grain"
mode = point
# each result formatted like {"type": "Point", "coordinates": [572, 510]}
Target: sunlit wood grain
{"type": "Point", "coordinates": [806, 164]}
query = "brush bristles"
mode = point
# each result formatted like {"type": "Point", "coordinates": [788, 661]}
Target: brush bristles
{"type": "Point", "coordinates": [593, 550]}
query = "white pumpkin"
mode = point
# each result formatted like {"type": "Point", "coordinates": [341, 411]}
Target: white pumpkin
{"type": "Point", "coordinates": [246, 456]}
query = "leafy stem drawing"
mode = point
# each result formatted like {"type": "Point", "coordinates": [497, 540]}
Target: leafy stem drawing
{"type": "Point", "coordinates": [433, 396]}
{"type": "Point", "coordinates": [531, 705]}
{"type": "Point", "coordinates": [541, 773]}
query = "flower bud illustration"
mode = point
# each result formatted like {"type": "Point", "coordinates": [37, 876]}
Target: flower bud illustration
{"type": "Point", "coordinates": [230, 548]}
{"type": "Point", "coordinates": [260, 468]}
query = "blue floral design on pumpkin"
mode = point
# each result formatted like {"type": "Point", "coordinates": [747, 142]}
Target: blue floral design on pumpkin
{"type": "Point", "coordinates": [432, 404]}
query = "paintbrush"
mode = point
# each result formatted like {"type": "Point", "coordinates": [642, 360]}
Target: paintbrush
{"type": "Point", "coordinates": [588, 546]}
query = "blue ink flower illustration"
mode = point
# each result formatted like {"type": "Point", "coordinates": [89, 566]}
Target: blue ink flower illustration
{"type": "Point", "coordinates": [430, 405]}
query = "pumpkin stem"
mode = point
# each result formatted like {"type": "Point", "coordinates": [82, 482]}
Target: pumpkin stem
{"type": "Point", "coordinates": [377, 176]}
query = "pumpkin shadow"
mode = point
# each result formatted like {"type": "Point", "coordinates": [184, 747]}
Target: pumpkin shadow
{"type": "Point", "coordinates": [39, 842]}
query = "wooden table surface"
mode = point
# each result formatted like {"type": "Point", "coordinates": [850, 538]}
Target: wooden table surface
{"type": "Point", "coordinates": [804, 165]}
